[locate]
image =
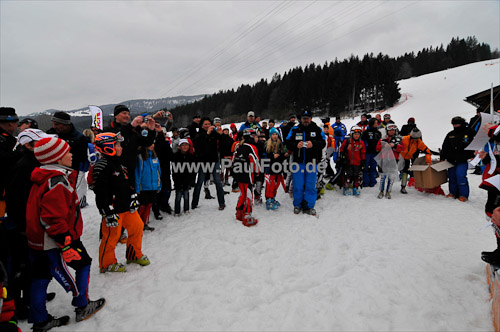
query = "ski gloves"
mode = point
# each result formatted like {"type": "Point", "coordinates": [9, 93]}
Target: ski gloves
{"type": "Point", "coordinates": [112, 220]}
{"type": "Point", "coordinates": [68, 251]}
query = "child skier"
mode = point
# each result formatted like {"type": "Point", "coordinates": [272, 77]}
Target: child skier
{"type": "Point", "coordinates": [147, 182]}
{"type": "Point", "coordinates": [353, 155]}
{"type": "Point", "coordinates": [182, 176]}
{"type": "Point", "coordinates": [245, 164]}
{"type": "Point", "coordinates": [275, 152]}
{"type": "Point", "coordinates": [117, 203]}
{"type": "Point", "coordinates": [53, 228]}
{"type": "Point", "coordinates": [388, 162]}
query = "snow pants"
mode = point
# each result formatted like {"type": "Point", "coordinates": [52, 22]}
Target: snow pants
{"type": "Point", "coordinates": [304, 186]}
{"type": "Point", "coordinates": [48, 264]}
{"type": "Point", "coordinates": [244, 205]}
{"type": "Point", "coordinates": [370, 172]}
{"type": "Point", "coordinates": [273, 182]}
{"type": "Point", "coordinates": [132, 222]}
{"type": "Point", "coordinates": [458, 183]}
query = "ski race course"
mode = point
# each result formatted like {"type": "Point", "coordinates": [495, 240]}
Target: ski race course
{"type": "Point", "coordinates": [409, 263]}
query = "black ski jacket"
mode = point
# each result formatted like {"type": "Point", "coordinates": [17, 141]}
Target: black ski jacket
{"type": "Point", "coordinates": [454, 145]}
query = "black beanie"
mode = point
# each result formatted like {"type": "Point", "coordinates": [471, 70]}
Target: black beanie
{"type": "Point", "coordinates": [119, 109]}
{"type": "Point", "coordinates": [61, 117]}
{"type": "Point", "coordinates": [458, 120]}
{"type": "Point", "coordinates": [8, 114]}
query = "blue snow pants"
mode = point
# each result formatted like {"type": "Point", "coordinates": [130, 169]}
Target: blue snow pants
{"type": "Point", "coordinates": [48, 264]}
{"type": "Point", "coordinates": [304, 186]}
{"type": "Point", "coordinates": [458, 183]}
{"type": "Point", "coordinates": [370, 172]}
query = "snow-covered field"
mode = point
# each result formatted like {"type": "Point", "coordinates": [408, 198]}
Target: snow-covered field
{"type": "Point", "coordinates": [410, 263]}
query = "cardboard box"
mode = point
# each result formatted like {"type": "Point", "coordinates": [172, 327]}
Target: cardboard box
{"type": "Point", "coordinates": [430, 176]}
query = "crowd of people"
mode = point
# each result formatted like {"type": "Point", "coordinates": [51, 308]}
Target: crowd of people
{"type": "Point", "coordinates": [133, 165]}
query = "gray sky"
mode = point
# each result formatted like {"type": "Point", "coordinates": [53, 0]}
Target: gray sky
{"type": "Point", "coordinates": [69, 54]}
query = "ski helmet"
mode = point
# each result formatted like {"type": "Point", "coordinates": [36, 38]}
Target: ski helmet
{"type": "Point", "coordinates": [183, 133]}
{"type": "Point", "coordinates": [105, 143]}
{"type": "Point", "coordinates": [356, 129]}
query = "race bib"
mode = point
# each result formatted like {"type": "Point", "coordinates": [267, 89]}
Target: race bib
{"type": "Point", "coordinates": [299, 136]}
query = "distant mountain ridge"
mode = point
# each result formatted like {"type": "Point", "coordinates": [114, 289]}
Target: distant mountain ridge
{"type": "Point", "coordinates": [135, 106]}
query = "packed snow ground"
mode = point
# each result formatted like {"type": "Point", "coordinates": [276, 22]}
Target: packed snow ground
{"type": "Point", "coordinates": [410, 263]}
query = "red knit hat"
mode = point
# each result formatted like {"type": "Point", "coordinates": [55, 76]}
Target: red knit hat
{"type": "Point", "coordinates": [50, 150]}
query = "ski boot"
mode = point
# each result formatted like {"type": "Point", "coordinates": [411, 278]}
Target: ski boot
{"type": "Point", "coordinates": [380, 195]}
{"type": "Point", "coordinates": [249, 221]}
{"type": "Point", "coordinates": [388, 195]}
{"type": "Point", "coordinates": [322, 191]}
{"type": "Point", "coordinates": [207, 194]}
{"type": "Point", "coordinates": [144, 260]}
{"type": "Point", "coordinates": [50, 323]}
{"type": "Point", "coordinates": [330, 186]}
{"type": "Point", "coordinates": [355, 191]}
{"type": "Point", "coordinates": [296, 210]}
{"type": "Point", "coordinates": [91, 308]}
{"type": "Point", "coordinates": [275, 202]}
{"type": "Point", "coordinates": [346, 191]}
{"type": "Point", "coordinates": [403, 190]}
{"type": "Point", "coordinates": [463, 199]}
{"type": "Point", "coordinates": [269, 204]}
{"type": "Point", "coordinates": [116, 267]}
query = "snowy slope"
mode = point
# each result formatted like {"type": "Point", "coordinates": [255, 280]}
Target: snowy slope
{"type": "Point", "coordinates": [410, 263]}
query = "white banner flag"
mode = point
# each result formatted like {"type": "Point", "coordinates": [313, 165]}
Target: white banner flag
{"type": "Point", "coordinates": [96, 117]}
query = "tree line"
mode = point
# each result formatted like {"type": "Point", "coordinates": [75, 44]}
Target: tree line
{"type": "Point", "coordinates": [364, 84]}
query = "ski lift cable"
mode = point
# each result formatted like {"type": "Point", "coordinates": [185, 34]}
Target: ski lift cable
{"type": "Point", "coordinates": [227, 45]}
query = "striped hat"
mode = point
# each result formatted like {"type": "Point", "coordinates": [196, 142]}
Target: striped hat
{"type": "Point", "coordinates": [50, 150]}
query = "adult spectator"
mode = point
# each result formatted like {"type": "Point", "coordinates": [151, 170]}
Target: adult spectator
{"type": "Point", "coordinates": [286, 127]}
{"type": "Point", "coordinates": [364, 122]}
{"type": "Point", "coordinates": [139, 132]}
{"type": "Point", "coordinates": [306, 141]}
{"type": "Point", "coordinates": [412, 146]}
{"type": "Point", "coordinates": [165, 114]}
{"type": "Point", "coordinates": [326, 123]}
{"type": "Point", "coordinates": [250, 123]}
{"type": "Point", "coordinates": [371, 136]}
{"type": "Point", "coordinates": [206, 152]}
{"type": "Point", "coordinates": [65, 130]}
{"type": "Point", "coordinates": [27, 123]}
{"type": "Point", "coordinates": [8, 127]}
{"type": "Point", "coordinates": [453, 150]}
{"type": "Point", "coordinates": [194, 127]}
{"type": "Point", "coordinates": [408, 127]}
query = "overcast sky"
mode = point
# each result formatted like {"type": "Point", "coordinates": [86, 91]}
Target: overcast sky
{"type": "Point", "coordinates": [69, 54]}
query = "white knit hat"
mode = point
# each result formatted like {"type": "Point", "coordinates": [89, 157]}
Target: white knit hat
{"type": "Point", "coordinates": [50, 150]}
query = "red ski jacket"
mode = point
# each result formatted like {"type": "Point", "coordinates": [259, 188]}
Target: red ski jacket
{"type": "Point", "coordinates": [355, 151]}
{"type": "Point", "coordinates": [53, 207]}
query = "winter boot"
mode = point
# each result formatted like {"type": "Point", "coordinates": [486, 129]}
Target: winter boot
{"type": "Point", "coordinates": [207, 194]}
{"type": "Point", "coordinates": [116, 267]}
{"type": "Point", "coordinates": [148, 228]}
{"type": "Point", "coordinates": [222, 207]}
{"type": "Point", "coordinates": [493, 253]}
{"type": "Point", "coordinates": [50, 323]}
{"type": "Point", "coordinates": [296, 210]}
{"type": "Point", "coordinates": [249, 221]}
{"type": "Point", "coordinates": [463, 199]}
{"type": "Point", "coordinates": [355, 191]}
{"type": "Point", "coordinates": [91, 308]}
{"type": "Point", "coordinates": [144, 260]}
{"type": "Point", "coordinates": [347, 191]}
{"type": "Point", "coordinates": [403, 190]}
{"type": "Point", "coordinates": [380, 195]}
{"type": "Point", "coordinates": [311, 212]}
{"type": "Point", "coordinates": [258, 200]}
{"type": "Point", "coordinates": [388, 195]}
{"type": "Point", "coordinates": [158, 216]}
{"type": "Point", "coordinates": [322, 191]}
